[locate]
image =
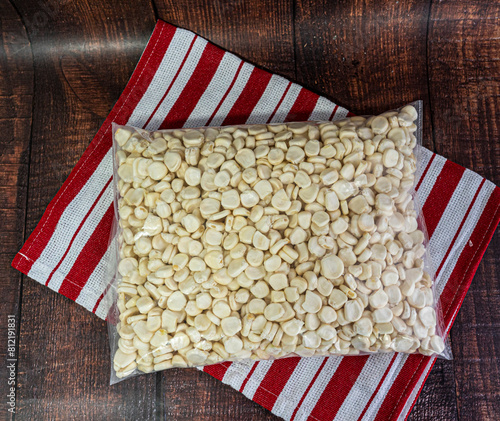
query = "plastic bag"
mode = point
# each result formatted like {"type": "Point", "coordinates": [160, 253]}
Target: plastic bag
{"type": "Point", "coordinates": [269, 241]}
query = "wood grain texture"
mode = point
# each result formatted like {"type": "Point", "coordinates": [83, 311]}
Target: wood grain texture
{"type": "Point", "coordinates": [16, 96]}
{"type": "Point", "coordinates": [464, 83]}
{"type": "Point", "coordinates": [367, 55]}
{"type": "Point", "coordinates": [437, 401]}
{"type": "Point", "coordinates": [193, 395]}
{"type": "Point", "coordinates": [476, 343]}
{"type": "Point", "coordinates": [82, 64]}
{"type": "Point", "coordinates": [464, 86]}
{"type": "Point", "coordinates": [259, 31]}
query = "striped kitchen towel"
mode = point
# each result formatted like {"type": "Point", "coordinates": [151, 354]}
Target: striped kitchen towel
{"type": "Point", "coordinates": [184, 81]}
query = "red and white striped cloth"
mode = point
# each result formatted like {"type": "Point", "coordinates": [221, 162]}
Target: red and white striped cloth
{"type": "Point", "coordinates": [184, 81]}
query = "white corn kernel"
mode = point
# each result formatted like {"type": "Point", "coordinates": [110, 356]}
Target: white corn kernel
{"type": "Point", "coordinates": [233, 237]}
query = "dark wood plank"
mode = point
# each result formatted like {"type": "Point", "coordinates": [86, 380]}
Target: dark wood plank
{"type": "Point", "coordinates": [84, 54]}
{"type": "Point", "coordinates": [259, 31]}
{"type": "Point", "coordinates": [464, 76]}
{"type": "Point", "coordinates": [437, 401]}
{"type": "Point", "coordinates": [193, 395]}
{"type": "Point", "coordinates": [16, 96]}
{"type": "Point", "coordinates": [476, 340]}
{"type": "Point", "coordinates": [367, 55]}
{"type": "Point", "coordinates": [370, 56]}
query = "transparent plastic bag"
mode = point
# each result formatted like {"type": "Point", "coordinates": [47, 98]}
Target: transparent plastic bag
{"type": "Point", "coordinates": [270, 241]}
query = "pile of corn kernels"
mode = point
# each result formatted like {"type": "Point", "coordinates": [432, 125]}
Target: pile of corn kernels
{"type": "Point", "coordinates": [264, 241]}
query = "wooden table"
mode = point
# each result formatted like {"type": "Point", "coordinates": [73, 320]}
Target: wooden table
{"type": "Point", "coordinates": [64, 63]}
